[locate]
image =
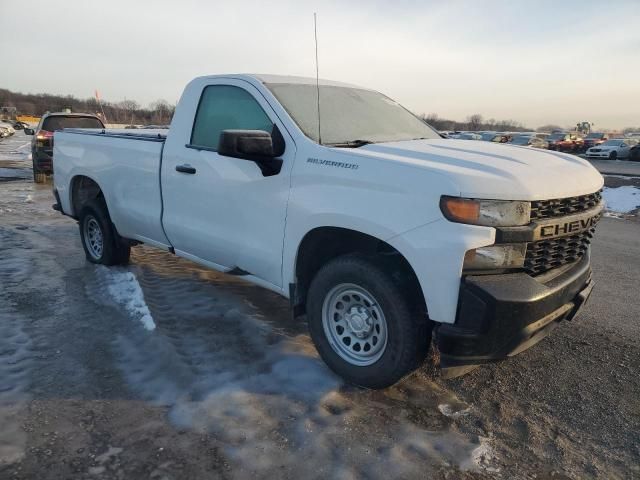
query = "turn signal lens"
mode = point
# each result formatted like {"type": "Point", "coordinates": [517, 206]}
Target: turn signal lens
{"type": "Point", "coordinates": [490, 213]}
{"type": "Point", "coordinates": [460, 209]}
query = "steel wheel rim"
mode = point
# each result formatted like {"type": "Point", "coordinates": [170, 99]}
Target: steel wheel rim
{"type": "Point", "coordinates": [354, 324]}
{"type": "Point", "coordinates": [93, 238]}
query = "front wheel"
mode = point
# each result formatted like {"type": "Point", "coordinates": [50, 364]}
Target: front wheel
{"type": "Point", "coordinates": [365, 326]}
{"type": "Point", "coordinates": [613, 155]}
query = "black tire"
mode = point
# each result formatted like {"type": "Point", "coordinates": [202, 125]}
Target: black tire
{"type": "Point", "coordinates": [38, 176]}
{"type": "Point", "coordinates": [114, 249]}
{"type": "Point", "coordinates": [613, 155]}
{"type": "Point", "coordinates": [408, 330]}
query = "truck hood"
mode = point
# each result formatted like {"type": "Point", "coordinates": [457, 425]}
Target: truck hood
{"type": "Point", "coordinates": [497, 171]}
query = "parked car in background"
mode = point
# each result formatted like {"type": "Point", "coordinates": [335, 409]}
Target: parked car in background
{"type": "Point", "coordinates": [467, 136]}
{"type": "Point", "coordinates": [42, 143]}
{"type": "Point", "coordinates": [571, 142]}
{"type": "Point", "coordinates": [7, 128]}
{"type": "Point", "coordinates": [529, 141]}
{"type": "Point", "coordinates": [501, 138]}
{"type": "Point", "coordinates": [4, 132]}
{"type": "Point", "coordinates": [594, 139]}
{"type": "Point", "coordinates": [18, 125]}
{"type": "Point", "coordinates": [612, 149]}
{"type": "Point", "coordinates": [487, 136]}
{"type": "Point", "coordinates": [634, 153]}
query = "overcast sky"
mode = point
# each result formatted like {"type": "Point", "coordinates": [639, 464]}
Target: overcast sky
{"type": "Point", "coordinates": [533, 61]}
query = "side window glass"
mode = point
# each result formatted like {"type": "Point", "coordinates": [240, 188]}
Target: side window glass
{"type": "Point", "coordinates": [224, 107]}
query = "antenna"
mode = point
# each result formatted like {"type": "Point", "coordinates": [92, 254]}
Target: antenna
{"type": "Point", "coordinates": [315, 32]}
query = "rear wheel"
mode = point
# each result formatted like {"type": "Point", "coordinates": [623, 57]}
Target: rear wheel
{"type": "Point", "coordinates": [365, 326]}
{"type": "Point", "coordinates": [613, 155]}
{"type": "Point", "coordinates": [100, 241]}
{"type": "Point", "coordinates": [38, 176]}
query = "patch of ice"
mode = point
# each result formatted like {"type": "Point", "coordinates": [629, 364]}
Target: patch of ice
{"type": "Point", "coordinates": [621, 199]}
{"type": "Point", "coordinates": [449, 411]}
{"type": "Point", "coordinates": [481, 457]}
{"type": "Point", "coordinates": [124, 289]}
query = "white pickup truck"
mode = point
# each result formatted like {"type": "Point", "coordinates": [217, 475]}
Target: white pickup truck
{"type": "Point", "coordinates": [336, 197]}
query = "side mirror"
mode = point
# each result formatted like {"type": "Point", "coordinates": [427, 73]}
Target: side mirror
{"type": "Point", "coordinates": [246, 144]}
{"type": "Point", "coordinates": [28, 131]}
{"type": "Point", "coordinates": [254, 145]}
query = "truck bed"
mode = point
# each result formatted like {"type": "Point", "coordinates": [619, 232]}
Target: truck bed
{"type": "Point", "coordinates": [126, 164]}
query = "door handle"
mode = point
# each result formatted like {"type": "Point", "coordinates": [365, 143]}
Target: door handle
{"type": "Point", "coordinates": [185, 169]}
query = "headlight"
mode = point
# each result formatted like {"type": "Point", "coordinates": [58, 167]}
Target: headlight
{"type": "Point", "coordinates": [496, 257]}
{"type": "Point", "coordinates": [490, 213]}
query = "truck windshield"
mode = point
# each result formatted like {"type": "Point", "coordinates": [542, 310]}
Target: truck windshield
{"type": "Point", "coordinates": [349, 116]}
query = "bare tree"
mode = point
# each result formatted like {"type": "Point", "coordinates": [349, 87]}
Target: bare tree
{"type": "Point", "coordinates": [129, 107]}
{"type": "Point", "coordinates": [162, 111]}
{"type": "Point", "coordinates": [474, 122]}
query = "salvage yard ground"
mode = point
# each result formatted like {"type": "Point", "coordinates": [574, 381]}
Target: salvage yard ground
{"type": "Point", "coordinates": [167, 370]}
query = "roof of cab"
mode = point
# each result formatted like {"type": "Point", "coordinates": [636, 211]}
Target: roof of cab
{"type": "Point", "coordinates": [291, 79]}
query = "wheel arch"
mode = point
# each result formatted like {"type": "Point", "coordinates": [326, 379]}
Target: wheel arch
{"type": "Point", "coordinates": [82, 189]}
{"type": "Point", "coordinates": [322, 244]}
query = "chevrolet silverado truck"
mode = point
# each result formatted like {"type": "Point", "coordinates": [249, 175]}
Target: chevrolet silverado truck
{"type": "Point", "coordinates": [388, 238]}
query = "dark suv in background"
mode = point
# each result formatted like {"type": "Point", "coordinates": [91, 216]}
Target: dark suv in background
{"type": "Point", "coordinates": [42, 143]}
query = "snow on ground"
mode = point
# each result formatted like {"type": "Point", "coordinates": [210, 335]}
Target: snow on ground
{"type": "Point", "coordinates": [622, 199]}
{"type": "Point", "coordinates": [124, 289]}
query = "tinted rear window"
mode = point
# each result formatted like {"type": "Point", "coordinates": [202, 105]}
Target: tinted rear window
{"type": "Point", "coordinates": [52, 124]}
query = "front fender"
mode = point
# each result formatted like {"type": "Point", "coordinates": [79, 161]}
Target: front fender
{"type": "Point", "coordinates": [436, 252]}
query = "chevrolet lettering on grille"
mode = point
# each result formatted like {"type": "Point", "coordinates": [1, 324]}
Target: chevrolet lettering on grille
{"type": "Point", "coordinates": [569, 225]}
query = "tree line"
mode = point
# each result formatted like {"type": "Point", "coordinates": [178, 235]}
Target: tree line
{"type": "Point", "coordinates": [159, 112]}
{"type": "Point", "coordinates": [474, 123]}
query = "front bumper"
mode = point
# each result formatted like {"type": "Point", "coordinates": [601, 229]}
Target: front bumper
{"type": "Point", "coordinates": [502, 315]}
{"type": "Point", "coordinates": [598, 154]}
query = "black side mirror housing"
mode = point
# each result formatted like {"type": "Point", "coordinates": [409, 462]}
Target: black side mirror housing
{"type": "Point", "coordinates": [28, 131]}
{"type": "Point", "coordinates": [246, 144]}
{"type": "Point", "coordinates": [255, 145]}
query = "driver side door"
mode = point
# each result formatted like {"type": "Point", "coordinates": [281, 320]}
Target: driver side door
{"type": "Point", "coordinates": [223, 211]}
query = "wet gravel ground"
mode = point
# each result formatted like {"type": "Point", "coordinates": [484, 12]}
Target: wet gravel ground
{"type": "Point", "coordinates": [227, 386]}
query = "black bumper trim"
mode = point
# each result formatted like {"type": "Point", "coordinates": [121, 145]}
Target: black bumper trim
{"type": "Point", "coordinates": [502, 315]}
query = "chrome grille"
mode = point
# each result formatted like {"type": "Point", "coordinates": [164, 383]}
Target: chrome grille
{"type": "Point", "coordinates": [545, 255]}
{"type": "Point", "coordinates": [564, 206]}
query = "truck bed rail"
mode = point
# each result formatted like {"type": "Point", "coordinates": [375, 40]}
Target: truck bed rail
{"type": "Point", "coordinates": [149, 135]}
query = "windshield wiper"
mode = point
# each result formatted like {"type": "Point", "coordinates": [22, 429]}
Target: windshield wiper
{"type": "Point", "coordinates": [350, 144]}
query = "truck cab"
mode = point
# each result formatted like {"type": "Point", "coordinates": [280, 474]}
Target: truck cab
{"type": "Point", "coordinates": [380, 232]}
